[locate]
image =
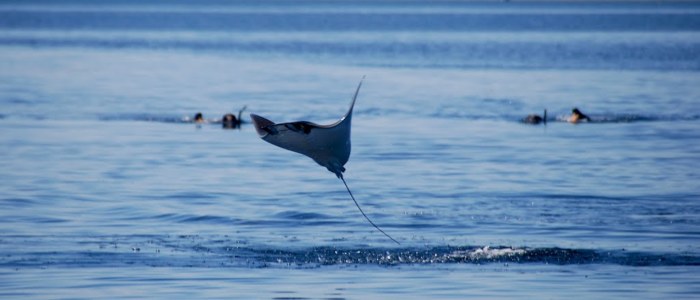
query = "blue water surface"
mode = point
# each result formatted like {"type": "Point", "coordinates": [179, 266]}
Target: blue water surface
{"type": "Point", "coordinates": [107, 189]}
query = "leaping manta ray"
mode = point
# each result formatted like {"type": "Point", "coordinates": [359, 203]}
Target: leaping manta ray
{"type": "Point", "coordinates": [327, 145]}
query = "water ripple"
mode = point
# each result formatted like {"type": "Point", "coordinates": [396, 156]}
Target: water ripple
{"type": "Point", "coordinates": [200, 251]}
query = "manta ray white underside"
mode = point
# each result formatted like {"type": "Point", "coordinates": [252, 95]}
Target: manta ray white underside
{"type": "Point", "coordinates": [327, 145]}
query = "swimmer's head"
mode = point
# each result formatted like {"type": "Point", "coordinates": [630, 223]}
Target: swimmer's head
{"type": "Point", "coordinates": [198, 118]}
{"type": "Point", "coordinates": [230, 121]}
{"type": "Point", "coordinates": [533, 119]}
{"type": "Point", "coordinates": [536, 119]}
{"type": "Point", "coordinates": [577, 116]}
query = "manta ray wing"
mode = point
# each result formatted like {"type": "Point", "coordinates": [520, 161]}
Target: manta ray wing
{"type": "Point", "coordinates": [327, 145]}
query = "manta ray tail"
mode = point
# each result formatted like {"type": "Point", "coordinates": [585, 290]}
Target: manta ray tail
{"type": "Point", "coordinates": [363, 213]}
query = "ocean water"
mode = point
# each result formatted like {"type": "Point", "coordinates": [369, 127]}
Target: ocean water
{"type": "Point", "coordinates": [108, 190]}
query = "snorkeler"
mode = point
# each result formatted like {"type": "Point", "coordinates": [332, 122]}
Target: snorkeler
{"type": "Point", "coordinates": [199, 118]}
{"type": "Point", "coordinates": [229, 121]}
{"type": "Point", "coordinates": [536, 119]}
{"type": "Point", "coordinates": [577, 116]}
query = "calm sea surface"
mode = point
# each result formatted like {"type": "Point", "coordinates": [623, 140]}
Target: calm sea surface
{"type": "Point", "coordinates": [108, 190]}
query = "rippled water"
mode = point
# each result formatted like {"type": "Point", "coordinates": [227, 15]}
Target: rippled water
{"type": "Point", "coordinates": [108, 190]}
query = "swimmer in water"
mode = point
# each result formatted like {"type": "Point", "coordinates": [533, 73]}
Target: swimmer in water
{"type": "Point", "coordinates": [229, 121]}
{"type": "Point", "coordinates": [199, 118]}
{"type": "Point", "coordinates": [577, 116]}
{"type": "Point", "coordinates": [536, 119]}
